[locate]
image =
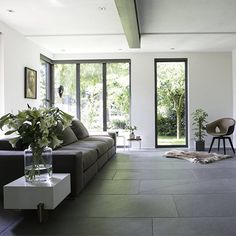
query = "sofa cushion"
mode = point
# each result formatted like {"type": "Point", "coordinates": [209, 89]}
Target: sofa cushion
{"type": "Point", "coordinates": [79, 129]}
{"type": "Point", "coordinates": [100, 146]}
{"type": "Point", "coordinates": [108, 140]}
{"type": "Point", "coordinates": [68, 136]}
{"type": "Point", "coordinates": [6, 145]}
{"type": "Point", "coordinates": [89, 155]}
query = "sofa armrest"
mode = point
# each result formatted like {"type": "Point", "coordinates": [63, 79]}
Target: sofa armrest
{"type": "Point", "coordinates": [113, 135]}
{"type": "Point", "coordinates": [11, 167]}
{"type": "Point", "coordinates": [69, 161]}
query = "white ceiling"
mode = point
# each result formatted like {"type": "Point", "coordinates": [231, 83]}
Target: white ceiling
{"type": "Point", "coordinates": [80, 26]}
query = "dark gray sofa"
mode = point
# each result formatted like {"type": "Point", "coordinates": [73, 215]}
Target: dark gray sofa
{"type": "Point", "coordinates": [82, 155]}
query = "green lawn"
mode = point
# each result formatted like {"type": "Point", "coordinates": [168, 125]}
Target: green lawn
{"type": "Point", "coordinates": [170, 140]}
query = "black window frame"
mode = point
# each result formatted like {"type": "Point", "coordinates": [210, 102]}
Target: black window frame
{"type": "Point", "coordinates": [49, 79]}
{"type": "Point", "coordinates": [185, 60]}
{"type": "Point", "coordinates": [104, 63]}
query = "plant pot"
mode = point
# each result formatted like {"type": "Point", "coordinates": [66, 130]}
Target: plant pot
{"type": "Point", "coordinates": [132, 135]}
{"type": "Point", "coordinates": [38, 165]}
{"type": "Point", "coordinates": [200, 145]}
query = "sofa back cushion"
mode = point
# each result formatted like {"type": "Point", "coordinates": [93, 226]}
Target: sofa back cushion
{"type": "Point", "coordinates": [79, 129]}
{"type": "Point", "coordinates": [6, 145]}
{"type": "Point", "coordinates": [68, 136]}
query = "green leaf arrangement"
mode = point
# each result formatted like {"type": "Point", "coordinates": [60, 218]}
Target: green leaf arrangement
{"type": "Point", "coordinates": [37, 127]}
{"type": "Point", "coordinates": [199, 122]}
{"type": "Point", "coordinates": [131, 128]}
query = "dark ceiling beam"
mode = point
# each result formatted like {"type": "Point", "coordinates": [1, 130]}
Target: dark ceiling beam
{"type": "Point", "coordinates": [129, 19]}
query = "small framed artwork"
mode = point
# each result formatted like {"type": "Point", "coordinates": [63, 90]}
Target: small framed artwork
{"type": "Point", "coordinates": [30, 83]}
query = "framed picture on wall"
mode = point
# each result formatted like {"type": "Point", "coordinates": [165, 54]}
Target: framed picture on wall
{"type": "Point", "coordinates": [30, 83]}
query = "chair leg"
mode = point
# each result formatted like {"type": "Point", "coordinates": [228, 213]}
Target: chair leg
{"type": "Point", "coordinates": [224, 145]}
{"type": "Point", "coordinates": [218, 144]}
{"type": "Point", "coordinates": [230, 141]}
{"type": "Point", "coordinates": [213, 139]}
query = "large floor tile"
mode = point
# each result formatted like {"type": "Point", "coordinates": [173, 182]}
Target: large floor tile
{"type": "Point", "coordinates": [154, 174]}
{"type": "Point", "coordinates": [206, 205]}
{"type": "Point", "coordinates": [119, 206]}
{"type": "Point", "coordinates": [84, 227]}
{"type": "Point", "coordinates": [105, 173]}
{"type": "Point", "coordinates": [142, 193]}
{"type": "Point", "coordinates": [113, 187]}
{"type": "Point", "coordinates": [211, 226]}
{"type": "Point", "coordinates": [188, 186]}
{"type": "Point", "coordinates": [137, 165]}
{"type": "Point", "coordinates": [149, 156]}
{"type": "Point", "coordinates": [8, 217]}
{"type": "Point", "coordinates": [215, 173]}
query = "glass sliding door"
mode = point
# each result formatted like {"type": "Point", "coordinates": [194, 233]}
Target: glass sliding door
{"type": "Point", "coordinates": [171, 102]}
{"type": "Point", "coordinates": [118, 96]}
{"type": "Point", "coordinates": [96, 92]}
{"type": "Point", "coordinates": [91, 95]}
{"type": "Point", "coordinates": [45, 79]}
{"type": "Point", "coordinates": [65, 87]}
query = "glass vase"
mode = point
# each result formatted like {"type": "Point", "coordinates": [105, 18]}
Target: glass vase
{"type": "Point", "coordinates": [38, 164]}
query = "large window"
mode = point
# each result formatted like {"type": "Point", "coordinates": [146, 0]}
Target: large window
{"type": "Point", "coordinates": [97, 92]}
{"type": "Point", "coordinates": [65, 87]}
{"type": "Point", "coordinates": [118, 95]}
{"type": "Point", "coordinates": [45, 81]}
{"type": "Point", "coordinates": [91, 96]}
{"type": "Point", "coordinates": [171, 102]}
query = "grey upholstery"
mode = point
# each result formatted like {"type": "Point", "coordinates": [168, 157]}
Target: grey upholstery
{"type": "Point", "coordinates": [68, 136]}
{"type": "Point", "coordinates": [79, 129]}
{"type": "Point", "coordinates": [221, 129]}
{"type": "Point", "coordinates": [82, 157]}
{"type": "Point", "coordinates": [106, 139]}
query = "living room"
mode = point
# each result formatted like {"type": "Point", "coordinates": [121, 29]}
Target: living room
{"type": "Point", "coordinates": [206, 37]}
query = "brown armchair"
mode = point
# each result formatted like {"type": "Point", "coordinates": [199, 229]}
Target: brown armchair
{"type": "Point", "coordinates": [221, 129]}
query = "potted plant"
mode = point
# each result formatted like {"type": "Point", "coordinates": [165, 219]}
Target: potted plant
{"type": "Point", "coordinates": [40, 130]}
{"type": "Point", "coordinates": [131, 129]}
{"type": "Point", "coordinates": [199, 122]}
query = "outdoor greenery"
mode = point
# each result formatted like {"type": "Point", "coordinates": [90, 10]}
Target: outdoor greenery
{"type": "Point", "coordinates": [118, 91]}
{"type": "Point", "coordinates": [43, 93]}
{"type": "Point", "coordinates": [92, 93]}
{"type": "Point", "coordinates": [199, 122]}
{"type": "Point", "coordinates": [91, 103]}
{"type": "Point", "coordinates": [171, 99]}
{"type": "Point", "coordinates": [131, 128]}
{"type": "Point", "coordinates": [171, 140]}
{"type": "Point", "coordinates": [65, 75]}
{"type": "Point", "coordinates": [118, 124]}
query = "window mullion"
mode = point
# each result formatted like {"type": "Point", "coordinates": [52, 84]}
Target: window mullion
{"type": "Point", "coordinates": [78, 90]}
{"type": "Point", "coordinates": [104, 75]}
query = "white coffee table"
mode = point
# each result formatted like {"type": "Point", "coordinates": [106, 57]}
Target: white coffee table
{"type": "Point", "coordinates": [20, 194]}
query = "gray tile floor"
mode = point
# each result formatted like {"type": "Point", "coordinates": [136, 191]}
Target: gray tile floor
{"type": "Point", "coordinates": [142, 193]}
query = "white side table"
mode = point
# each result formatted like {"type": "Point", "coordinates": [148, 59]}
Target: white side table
{"type": "Point", "coordinates": [139, 140]}
{"type": "Point", "coordinates": [20, 194]}
{"type": "Point", "coordinates": [123, 137]}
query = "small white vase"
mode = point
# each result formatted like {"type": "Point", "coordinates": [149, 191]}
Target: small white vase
{"type": "Point", "coordinates": [132, 135]}
{"type": "Point", "coordinates": [38, 165]}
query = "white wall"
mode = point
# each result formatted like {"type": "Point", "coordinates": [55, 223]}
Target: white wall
{"type": "Point", "coordinates": [234, 88]}
{"type": "Point", "coordinates": [18, 53]}
{"type": "Point", "coordinates": [210, 87]}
